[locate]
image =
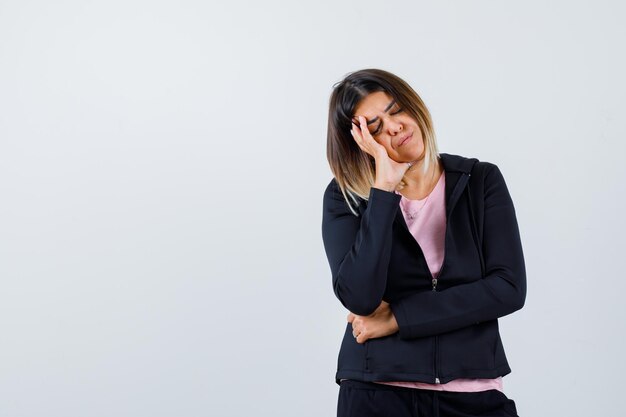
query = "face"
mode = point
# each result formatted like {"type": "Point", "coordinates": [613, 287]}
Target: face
{"type": "Point", "coordinates": [391, 126]}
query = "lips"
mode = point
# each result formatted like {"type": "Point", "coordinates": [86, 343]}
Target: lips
{"type": "Point", "coordinates": [405, 139]}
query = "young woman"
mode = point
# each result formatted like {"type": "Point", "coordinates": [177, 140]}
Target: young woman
{"type": "Point", "coordinates": [425, 253]}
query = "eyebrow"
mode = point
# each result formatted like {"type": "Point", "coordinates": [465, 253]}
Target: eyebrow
{"type": "Point", "coordinates": [389, 106]}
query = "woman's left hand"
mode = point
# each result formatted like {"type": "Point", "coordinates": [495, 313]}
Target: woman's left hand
{"type": "Point", "coordinates": [380, 323]}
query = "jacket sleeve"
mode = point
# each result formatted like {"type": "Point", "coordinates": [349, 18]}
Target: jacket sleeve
{"type": "Point", "coordinates": [358, 248]}
{"type": "Point", "coordinates": [502, 290]}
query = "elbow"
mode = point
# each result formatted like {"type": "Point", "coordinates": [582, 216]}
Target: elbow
{"type": "Point", "coordinates": [510, 293]}
{"type": "Point", "coordinates": [356, 300]}
{"type": "Point", "coordinates": [520, 300]}
{"type": "Point", "coordinates": [516, 300]}
{"type": "Point", "coordinates": [516, 303]}
{"type": "Point", "coordinates": [363, 309]}
{"type": "Point", "coordinates": [520, 295]}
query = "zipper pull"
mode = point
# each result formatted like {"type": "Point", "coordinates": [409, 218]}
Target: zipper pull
{"type": "Point", "coordinates": [434, 284]}
{"type": "Point", "coordinates": [437, 381]}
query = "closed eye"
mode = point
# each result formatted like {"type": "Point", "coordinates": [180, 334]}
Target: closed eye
{"type": "Point", "coordinates": [380, 125]}
{"type": "Point", "coordinates": [377, 131]}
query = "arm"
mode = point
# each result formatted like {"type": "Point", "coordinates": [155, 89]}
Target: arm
{"type": "Point", "coordinates": [502, 290]}
{"type": "Point", "coordinates": [358, 248]}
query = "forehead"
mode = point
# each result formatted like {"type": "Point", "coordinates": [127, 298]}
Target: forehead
{"type": "Point", "coordinates": [373, 104]}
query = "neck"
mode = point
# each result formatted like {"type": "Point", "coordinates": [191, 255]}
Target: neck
{"type": "Point", "coordinates": [416, 179]}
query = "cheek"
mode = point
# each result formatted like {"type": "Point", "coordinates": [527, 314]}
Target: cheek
{"type": "Point", "coordinates": [380, 140]}
{"type": "Point", "coordinates": [387, 144]}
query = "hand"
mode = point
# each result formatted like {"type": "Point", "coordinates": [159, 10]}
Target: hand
{"type": "Point", "coordinates": [389, 173]}
{"type": "Point", "coordinates": [380, 323]}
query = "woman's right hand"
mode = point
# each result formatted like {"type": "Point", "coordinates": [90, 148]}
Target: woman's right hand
{"type": "Point", "coordinates": [389, 173]}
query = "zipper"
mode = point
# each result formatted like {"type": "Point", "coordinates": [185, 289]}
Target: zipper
{"type": "Point", "coordinates": [435, 280]}
{"type": "Point", "coordinates": [436, 359]}
{"type": "Point", "coordinates": [445, 239]}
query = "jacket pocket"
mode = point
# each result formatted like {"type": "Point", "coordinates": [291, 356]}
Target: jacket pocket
{"type": "Point", "coordinates": [392, 354]}
{"type": "Point", "coordinates": [470, 350]}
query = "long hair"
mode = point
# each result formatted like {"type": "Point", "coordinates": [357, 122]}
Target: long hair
{"type": "Point", "coordinates": [354, 169]}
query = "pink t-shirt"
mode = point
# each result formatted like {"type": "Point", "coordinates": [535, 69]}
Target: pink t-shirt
{"type": "Point", "coordinates": [426, 220]}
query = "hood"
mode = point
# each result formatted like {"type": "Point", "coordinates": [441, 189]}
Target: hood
{"type": "Point", "coordinates": [457, 163]}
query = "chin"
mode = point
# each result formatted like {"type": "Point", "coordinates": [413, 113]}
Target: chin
{"type": "Point", "coordinates": [414, 156]}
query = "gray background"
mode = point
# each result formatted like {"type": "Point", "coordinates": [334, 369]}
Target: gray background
{"type": "Point", "coordinates": [162, 166]}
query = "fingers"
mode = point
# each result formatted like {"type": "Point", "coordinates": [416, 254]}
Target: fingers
{"type": "Point", "coordinates": [358, 138]}
{"type": "Point", "coordinates": [359, 334]}
{"type": "Point", "coordinates": [362, 136]}
{"type": "Point", "coordinates": [355, 124]}
{"type": "Point", "coordinates": [363, 124]}
{"type": "Point", "coordinates": [365, 133]}
{"type": "Point", "coordinates": [358, 328]}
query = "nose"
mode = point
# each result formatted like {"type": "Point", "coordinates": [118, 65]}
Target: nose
{"type": "Point", "coordinates": [395, 127]}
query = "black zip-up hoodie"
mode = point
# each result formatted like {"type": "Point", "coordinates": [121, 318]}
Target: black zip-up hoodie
{"type": "Point", "coordinates": [448, 327]}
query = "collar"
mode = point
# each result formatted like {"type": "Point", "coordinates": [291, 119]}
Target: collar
{"type": "Point", "coordinates": [457, 163]}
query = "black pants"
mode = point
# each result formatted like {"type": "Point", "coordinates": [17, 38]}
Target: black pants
{"type": "Point", "coordinates": [368, 399]}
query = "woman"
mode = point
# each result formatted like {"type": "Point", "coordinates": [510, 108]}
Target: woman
{"type": "Point", "coordinates": [425, 253]}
